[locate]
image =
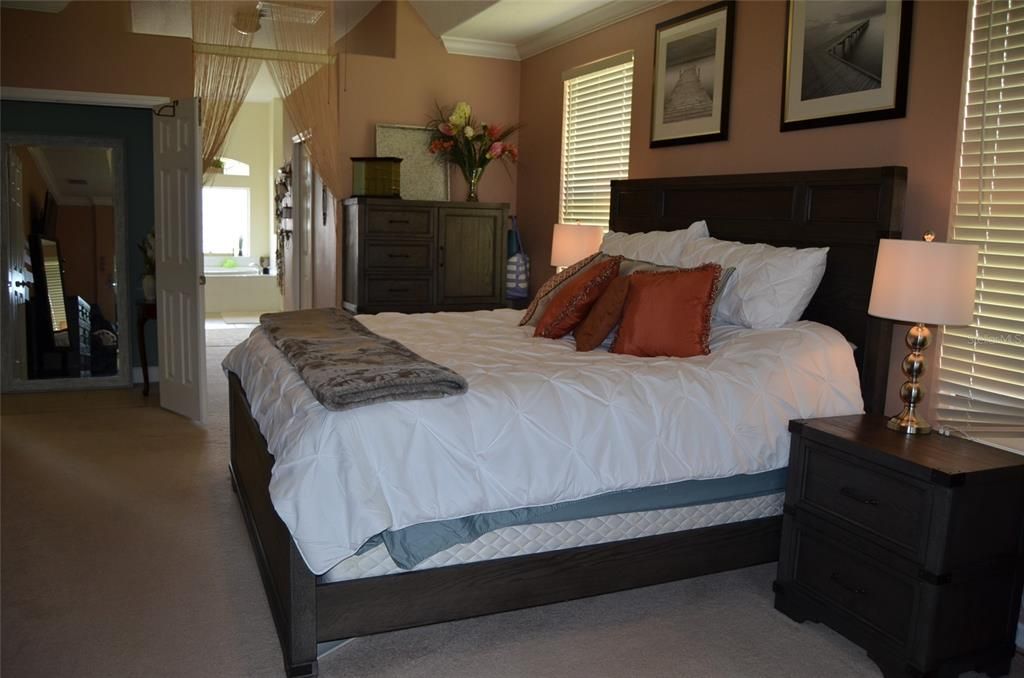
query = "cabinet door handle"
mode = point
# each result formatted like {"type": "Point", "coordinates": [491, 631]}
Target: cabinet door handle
{"type": "Point", "coordinates": [440, 256]}
{"type": "Point", "coordinates": [391, 255]}
{"type": "Point", "coordinates": [855, 496]}
{"type": "Point", "coordinates": [848, 587]}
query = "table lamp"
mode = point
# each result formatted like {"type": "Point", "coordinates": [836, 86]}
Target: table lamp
{"type": "Point", "coordinates": [921, 281]}
{"type": "Point", "coordinates": [572, 242]}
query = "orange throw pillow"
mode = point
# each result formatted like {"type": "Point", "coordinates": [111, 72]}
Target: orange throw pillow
{"type": "Point", "coordinates": [668, 313]}
{"type": "Point", "coordinates": [603, 317]}
{"type": "Point", "coordinates": [572, 303]}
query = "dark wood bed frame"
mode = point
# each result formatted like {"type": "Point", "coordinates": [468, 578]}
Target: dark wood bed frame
{"type": "Point", "coordinates": [847, 210]}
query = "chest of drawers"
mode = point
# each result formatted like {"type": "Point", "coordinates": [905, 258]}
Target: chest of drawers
{"type": "Point", "coordinates": [908, 546]}
{"type": "Point", "coordinates": [416, 256]}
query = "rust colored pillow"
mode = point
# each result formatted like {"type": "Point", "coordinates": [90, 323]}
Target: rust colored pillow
{"type": "Point", "coordinates": [548, 290]}
{"type": "Point", "coordinates": [603, 317]}
{"type": "Point", "coordinates": [668, 313]}
{"type": "Point", "coordinates": [573, 301]}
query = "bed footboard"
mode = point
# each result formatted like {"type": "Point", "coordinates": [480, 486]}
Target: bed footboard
{"type": "Point", "coordinates": [307, 612]}
{"type": "Point", "coordinates": [290, 586]}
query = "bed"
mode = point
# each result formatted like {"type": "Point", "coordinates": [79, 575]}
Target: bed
{"type": "Point", "coordinates": [355, 594]}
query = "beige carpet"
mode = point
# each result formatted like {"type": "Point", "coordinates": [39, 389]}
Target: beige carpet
{"type": "Point", "coordinates": [124, 554]}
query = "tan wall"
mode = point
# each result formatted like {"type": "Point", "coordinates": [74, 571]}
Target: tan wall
{"type": "Point", "coordinates": [106, 245]}
{"type": "Point", "coordinates": [248, 141]}
{"type": "Point", "coordinates": [76, 235]}
{"type": "Point", "coordinates": [404, 90]}
{"type": "Point", "coordinates": [924, 141]}
{"type": "Point", "coordinates": [89, 46]}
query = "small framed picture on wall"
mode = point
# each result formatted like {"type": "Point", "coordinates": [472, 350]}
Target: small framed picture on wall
{"type": "Point", "coordinates": [692, 74]}
{"type": "Point", "coordinates": [847, 61]}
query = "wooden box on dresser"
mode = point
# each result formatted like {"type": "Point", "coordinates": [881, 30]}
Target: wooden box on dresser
{"type": "Point", "coordinates": [417, 255]}
{"type": "Point", "coordinates": [908, 546]}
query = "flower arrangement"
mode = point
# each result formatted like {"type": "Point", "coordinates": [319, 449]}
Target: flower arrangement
{"type": "Point", "coordinates": [468, 144]}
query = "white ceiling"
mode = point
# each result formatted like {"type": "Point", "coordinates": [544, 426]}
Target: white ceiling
{"type": "Point", "coordinates": [174, 18]}
{"type": "Point", "coordinates": [515, 21]}
{"type": "Point", "coordinates": [504, 29]}
{"type": "Point", "coordinates": [79, 175]}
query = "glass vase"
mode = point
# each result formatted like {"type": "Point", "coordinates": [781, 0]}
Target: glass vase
{"type": "Point", "coordinates": [473, 180]}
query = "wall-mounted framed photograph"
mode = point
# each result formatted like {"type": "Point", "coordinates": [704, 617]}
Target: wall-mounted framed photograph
{"type": "Point", "coordinates": [847, 61]}
{"type": "Point", "coordinates": [692, 76]}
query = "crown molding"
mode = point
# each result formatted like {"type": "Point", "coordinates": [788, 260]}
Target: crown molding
{"type": "Point", "coordinates": [592, 21]}
{"type": "Point", "coordinates": [67, 96]}
{"type": "Point", "coordinates": [480, 48]}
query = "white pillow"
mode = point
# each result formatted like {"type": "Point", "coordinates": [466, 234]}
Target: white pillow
{"type": "Point", "coordinates": [658, 247]}
{"type": "Point", "coordinates": [771, 286]}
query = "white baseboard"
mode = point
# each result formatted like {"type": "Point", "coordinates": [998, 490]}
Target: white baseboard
{"type": "Point", "coordinates": [154, 375]}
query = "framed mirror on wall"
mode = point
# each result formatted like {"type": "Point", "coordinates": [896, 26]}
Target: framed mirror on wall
{"type": "Point", "coordinates": [65, 310]}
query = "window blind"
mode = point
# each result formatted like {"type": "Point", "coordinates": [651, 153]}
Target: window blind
{"type": "Point", "coordinates": [981, 367]}
{"type": "Point", "coordinates": [595, 137]}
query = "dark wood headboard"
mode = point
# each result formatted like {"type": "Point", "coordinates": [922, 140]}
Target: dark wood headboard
{"type": "Point", "coordinates": [846, 210]}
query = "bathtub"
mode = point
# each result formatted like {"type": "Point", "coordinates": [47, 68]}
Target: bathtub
{"type": "Point", "coordinates": [242, 291]}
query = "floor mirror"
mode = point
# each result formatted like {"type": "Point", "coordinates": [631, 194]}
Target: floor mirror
{"type": "Point", "coordinates": [65, 312]}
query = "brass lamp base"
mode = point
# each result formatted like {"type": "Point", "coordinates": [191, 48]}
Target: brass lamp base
{"type": "Point", "coordinates": [908, 422]}
{"type": "Point", "coordinates": [911, 392]}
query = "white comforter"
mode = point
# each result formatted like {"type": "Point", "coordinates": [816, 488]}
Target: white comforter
{"type": "Point", "coordinates": [540, 424]}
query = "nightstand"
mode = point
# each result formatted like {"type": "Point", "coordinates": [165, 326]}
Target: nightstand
{"type": "Point", "coordinates": [910, 547]}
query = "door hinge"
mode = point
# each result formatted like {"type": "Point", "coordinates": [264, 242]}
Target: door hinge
{"type": "Point", "coordinates": [168, 110]}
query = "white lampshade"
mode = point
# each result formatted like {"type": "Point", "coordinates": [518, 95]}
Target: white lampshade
{"type": "Point", "coordinates": [924, 282]}
{"type": "Point", "coordinates": [572, 242]}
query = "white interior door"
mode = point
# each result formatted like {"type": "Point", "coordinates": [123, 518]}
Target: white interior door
{"type": "Point", "coordinates": [178, 177]}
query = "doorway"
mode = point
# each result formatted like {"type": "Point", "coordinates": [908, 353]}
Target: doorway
{"type": "Point", "coordinates": [239, 240]}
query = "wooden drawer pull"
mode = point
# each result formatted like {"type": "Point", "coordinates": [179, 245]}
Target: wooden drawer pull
{"type": "Point", "coordinates": [392, 255]}
{"type": "Point", "coordinates": [398, 289]}
{"type": "Point", "coordinates": [852, 494]}
{"type": "Point", "coordinates": [398, 221]}
{"type": "Point", "coordinates": [848, 587]}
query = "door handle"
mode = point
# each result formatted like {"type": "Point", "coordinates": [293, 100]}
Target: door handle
{"type": "Point", "coordinates": [202, 280]}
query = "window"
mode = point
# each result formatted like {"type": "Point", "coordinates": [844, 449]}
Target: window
{"type": "Point", "coordinates": [235, 168]}
{"type": "Point", "coordinates": [225, 220]}
{"type": "Point", "coordinates": [981, 373]}
{"type": "Point", "coordinates": [595, 137]}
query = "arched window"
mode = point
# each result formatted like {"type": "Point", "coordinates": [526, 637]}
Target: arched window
{"type": "Point", "coordinates": [235, 168]}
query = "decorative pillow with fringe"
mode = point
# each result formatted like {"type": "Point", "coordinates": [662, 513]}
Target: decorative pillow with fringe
{"type": "Point", "coordinates": [547, 291]}
{"type": "Point", "coordinates": [668, 313]}
{"type": "Point", "coordinates": [573, 300]}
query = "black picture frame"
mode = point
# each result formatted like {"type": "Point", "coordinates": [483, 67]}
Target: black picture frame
{"type": "Point", "coordinates": [694, 130]}
{"type": "Point", "coordinates": [791, 119]}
